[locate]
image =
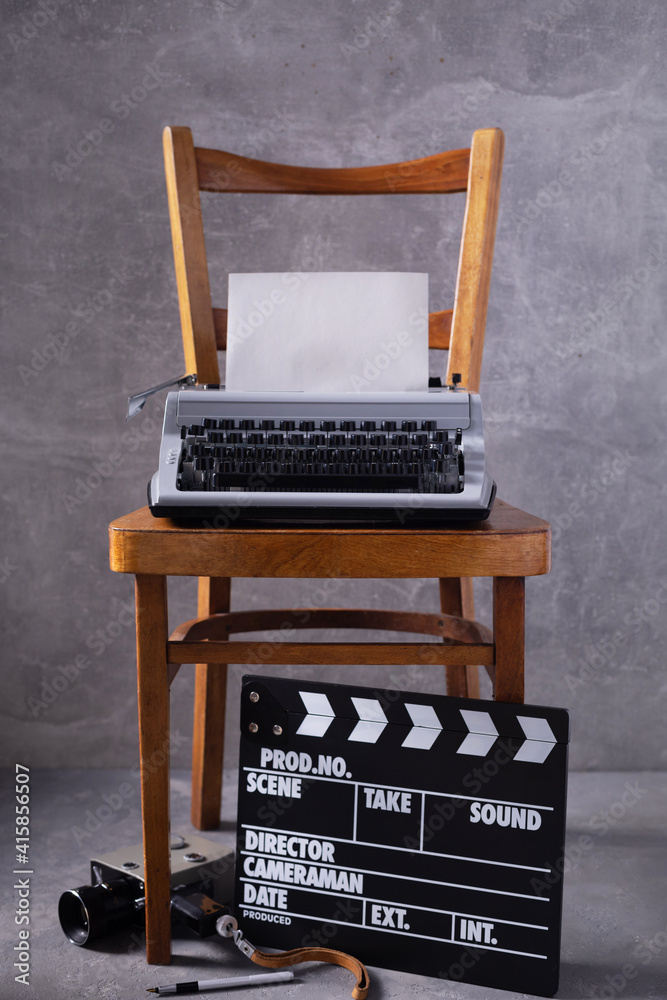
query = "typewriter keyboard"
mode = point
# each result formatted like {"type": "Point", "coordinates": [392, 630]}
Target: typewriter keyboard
{"type": "Point", "coordinates": [351, 456]}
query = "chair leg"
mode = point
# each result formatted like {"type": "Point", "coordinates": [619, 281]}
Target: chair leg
{"type": "Point", "coordinates": [153, 691]}
{"type": "Point", "coordinates": [509, 637]}
{"type": "Point", "coordinates": [209, 716]}
{"type": "Point", "coordinates": [456, 598]}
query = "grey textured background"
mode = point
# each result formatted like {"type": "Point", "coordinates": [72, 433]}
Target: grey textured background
{"type": "Point", "coordinates": [574, 371]}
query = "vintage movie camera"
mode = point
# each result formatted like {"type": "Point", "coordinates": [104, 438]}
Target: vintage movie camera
{"type": "Point", "coordinates": [202, 882]}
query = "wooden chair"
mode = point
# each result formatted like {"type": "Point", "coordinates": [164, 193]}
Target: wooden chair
{"type": "Point", "coordinates": [509, 546]}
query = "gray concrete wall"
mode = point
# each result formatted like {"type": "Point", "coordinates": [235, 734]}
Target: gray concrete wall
{"type": "Point", "coordinates": [574, 370]}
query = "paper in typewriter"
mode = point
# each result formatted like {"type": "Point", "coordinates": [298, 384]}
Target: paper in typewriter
{"type": "Point", "coordinates": [328, 332]}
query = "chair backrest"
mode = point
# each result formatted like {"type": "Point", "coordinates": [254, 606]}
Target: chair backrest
{"type": "Point", "coordinates": [477, 171]}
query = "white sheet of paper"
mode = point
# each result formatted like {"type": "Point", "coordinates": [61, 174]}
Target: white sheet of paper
{"type": "Point", "coordinates": [364, 331]}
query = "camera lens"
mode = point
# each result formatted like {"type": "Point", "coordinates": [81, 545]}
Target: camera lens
{"type": "Point", "coordinates": [90, 911]}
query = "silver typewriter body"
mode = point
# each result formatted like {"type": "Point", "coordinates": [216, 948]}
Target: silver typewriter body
{"type": "Point", "coordinates": [193, 418]}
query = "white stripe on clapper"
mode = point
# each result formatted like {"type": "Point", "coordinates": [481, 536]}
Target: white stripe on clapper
{"type": "Point", "coordinates": [426, 727]}
{"type": "Point", "coordinates": [372, 721]}
{"type": "Point", "coordinates": [483, 734]}
{"type": "Point", "coordinates": [320, 714]}
{"type": "Point", "coordinates": [540, 740]}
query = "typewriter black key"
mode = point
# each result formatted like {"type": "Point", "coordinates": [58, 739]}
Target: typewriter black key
{"type": "Point", "coordinates": [247, 425]}
{"type": "Point", "coordinates": [296, 439]}
{"type": "Point", "coordinates": [267, 425]}
{"type": "Point", "coordinates": [441, 436]}
{"type": "Point", "coordinates": [307, 425]}
{"type": "Point", "coordinates": [429, 425]}
{"type": "Point", "coordinates": [234, 437]}
{"type": "Point", "coordinates": [255, 437]}
{"type": "Point", "coordinates": [459, 436]}
{"type": "Point", "coordinates": [328, 425]}
{"type": "Point", "coordinates": [358, 439]}
{"type": "Point", "coordinates": [399, 439]}
{"type": "Point", "coordinates": [210, 423]}
{"type": "Point", "coordinates": [337, 440]}
{"type": "Point", "coordinates": [409, 425]}
{"type": "Point", "coordinates": [184, 432]}
{"type": "Point", "coordinates": [317, 439]}
{"type": "Point", "coordinates": [389, 425]}
{"type": "Point", "coordinates": [368, 425]}
{"type": "Point", "coordinates": [379, 439]}
{"type": "Point", "coordinates": [196, 430]}
{"type": "Point", "coordinates": [420, 439]}
{"type": "Point", "coordinates": [287, 425]}
{"type": "Point", "coordinates": [227, 424]}
{"type": "Point", "coordinates": [348, 425]}
{"type": "Point", "coordinates": [275, 439]}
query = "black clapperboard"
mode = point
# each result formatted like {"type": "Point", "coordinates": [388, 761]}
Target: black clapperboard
{"type": "Point", "coordinates": [417, 832]}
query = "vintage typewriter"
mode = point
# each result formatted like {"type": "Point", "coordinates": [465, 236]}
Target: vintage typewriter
{"type": "Point", "coordinates": [405, 458]}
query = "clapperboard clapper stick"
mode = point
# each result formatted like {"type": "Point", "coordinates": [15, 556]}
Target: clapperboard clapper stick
{"type": "Point", "coordinates": [419, 832]}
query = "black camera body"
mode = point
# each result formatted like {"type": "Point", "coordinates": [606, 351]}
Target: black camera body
{"type": "Point", "coordinates": [202, 886]}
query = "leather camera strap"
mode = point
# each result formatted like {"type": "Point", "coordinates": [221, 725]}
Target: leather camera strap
{"type": "Point", "coordinates": [330, 955]}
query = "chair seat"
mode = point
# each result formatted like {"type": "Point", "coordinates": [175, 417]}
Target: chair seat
{"type": "Point", "coordinates": [509, 543]}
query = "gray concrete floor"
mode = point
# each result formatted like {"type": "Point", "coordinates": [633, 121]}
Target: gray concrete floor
{"type": "Point", "coordinates": [614, 917]}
